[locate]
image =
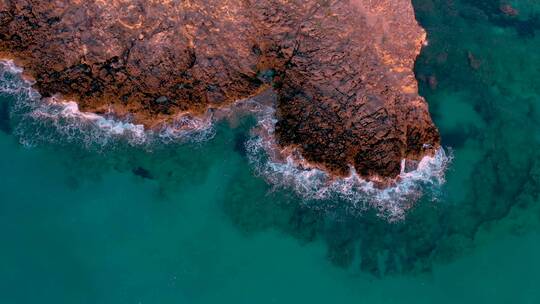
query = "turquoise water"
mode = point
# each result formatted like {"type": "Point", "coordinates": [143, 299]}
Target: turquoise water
{"type": "Point", "coordinates": [74, 233]}
{"type": "Point", "coordinates": [193, 223]}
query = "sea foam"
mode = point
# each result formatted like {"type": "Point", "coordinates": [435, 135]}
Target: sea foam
{"type": "Point", "coordinates": [286, 168]}
{"type": "Point", "coordinates": [45, 120]}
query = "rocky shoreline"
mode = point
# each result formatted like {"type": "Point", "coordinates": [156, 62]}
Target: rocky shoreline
{"type": "Point", "coordinates": [342, 71]}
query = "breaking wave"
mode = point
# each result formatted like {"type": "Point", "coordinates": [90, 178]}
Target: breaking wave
{"type": "Point", "coordinates": [287, 169]}
{"type": "Point", "coordinates": [51, 120]}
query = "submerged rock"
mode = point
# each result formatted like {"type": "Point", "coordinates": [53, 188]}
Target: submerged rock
{"type": "Point", "coordinates": [341, 70]}
{"type": "Point", "coordinates": [5, 125]}
{"type": "Point", "coordinates": [142, 172]}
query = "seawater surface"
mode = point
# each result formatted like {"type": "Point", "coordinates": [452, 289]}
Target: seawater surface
{"type": "Point", "coordinates": [111, 215]}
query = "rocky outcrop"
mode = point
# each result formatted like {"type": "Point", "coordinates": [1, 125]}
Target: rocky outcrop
{"type": "Point", "coordinates": [342, 70]}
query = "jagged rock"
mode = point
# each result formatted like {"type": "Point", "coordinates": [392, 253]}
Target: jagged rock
{"type": "Point", "coordinates": [342, 70]}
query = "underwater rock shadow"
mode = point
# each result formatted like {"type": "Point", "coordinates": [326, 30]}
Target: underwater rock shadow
{"type": "Point", "coordinates": [5, 118]}
{"type": "Point", "coordinates": [431, 234]}
{"type": "Point", "coordinates": [353, 239]}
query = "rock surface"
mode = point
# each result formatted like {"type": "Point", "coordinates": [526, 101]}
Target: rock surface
{"type": "Point", "coordinates": [342, 70]}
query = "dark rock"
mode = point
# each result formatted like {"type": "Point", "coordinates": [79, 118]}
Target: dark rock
{"type": "Point", "coordinates": [142, 172]}
{"type": "Point", "coordinates": [5, 120]}
{"type": "Point", "coordinates": [346, 92]}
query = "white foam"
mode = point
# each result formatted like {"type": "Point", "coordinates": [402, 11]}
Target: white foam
{"type": "Point", "coordinates": [69, 121]}
{"type": "Point", "coordinates": [196, 129]}
{"type": "Point", "coordinates": [287, 169]}
{"type": "Point", "coordinates": [53, 119]}
{"type": "Point", "coordinates": [43, 120]}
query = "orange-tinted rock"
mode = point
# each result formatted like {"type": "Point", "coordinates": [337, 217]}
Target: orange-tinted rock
{"type": "Point", "coordinates": [342, 70]}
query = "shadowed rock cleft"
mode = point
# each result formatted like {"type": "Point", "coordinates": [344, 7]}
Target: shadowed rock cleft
{"type": "Point", "coordinates": [342, 70]}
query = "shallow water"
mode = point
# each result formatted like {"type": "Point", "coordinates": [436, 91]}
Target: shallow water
{"type": "Point", "coordinates": [194, 223]}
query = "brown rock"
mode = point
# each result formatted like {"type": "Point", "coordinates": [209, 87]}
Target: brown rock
{"type": "Point", "coordinates": [508, 10]}
{"type": "Point", "coordinates": [342, 70]}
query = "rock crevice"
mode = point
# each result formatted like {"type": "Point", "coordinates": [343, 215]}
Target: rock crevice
{"type": "Point", "coordinates": [342, 70]}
